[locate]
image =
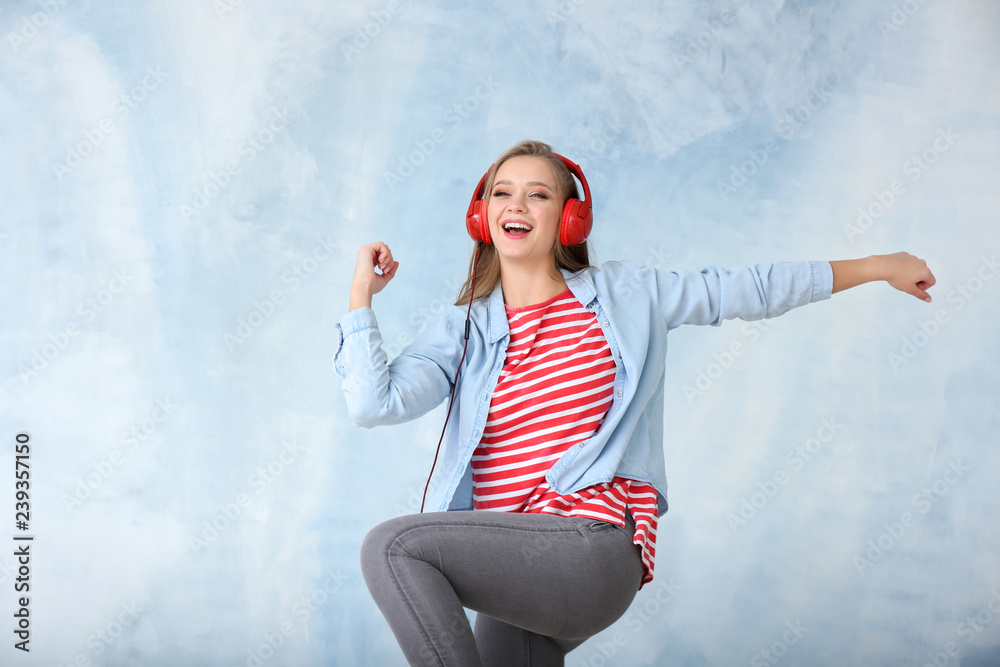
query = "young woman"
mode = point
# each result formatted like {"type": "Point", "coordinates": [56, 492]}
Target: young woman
{"type": "Point", "coordinates": [555, 428]}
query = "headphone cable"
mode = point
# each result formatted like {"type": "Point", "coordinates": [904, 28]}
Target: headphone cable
{"type": "Point", "coordinates": [454, 384]}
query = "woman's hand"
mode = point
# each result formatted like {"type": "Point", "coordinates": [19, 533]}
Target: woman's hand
{"type": "Point", "coordinates": [907, 274]}
{"type": "Point", "coordinates": [367, 282]}
{"type": "Point", "coordinates": [901, 270]}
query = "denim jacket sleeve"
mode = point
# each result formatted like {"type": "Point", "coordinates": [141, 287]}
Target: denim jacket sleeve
{"type": "Point", "coordinates": [753, 292]}
{"type": "Point", "coordinates": [382, 392]}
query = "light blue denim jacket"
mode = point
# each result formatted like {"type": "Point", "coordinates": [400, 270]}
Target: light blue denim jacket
{"type": "Point", "coordinates": [636, 308]}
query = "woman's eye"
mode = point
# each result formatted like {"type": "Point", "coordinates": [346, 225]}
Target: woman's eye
{"type": "Point", "coordinates": [506, 193]}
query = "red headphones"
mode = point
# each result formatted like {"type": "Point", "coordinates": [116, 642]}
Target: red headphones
{"type": "Point", "coordinates": [574, 227]}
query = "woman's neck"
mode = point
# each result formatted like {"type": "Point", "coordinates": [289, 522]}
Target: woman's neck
{"type": "Point", "coordinates": [523, 286]}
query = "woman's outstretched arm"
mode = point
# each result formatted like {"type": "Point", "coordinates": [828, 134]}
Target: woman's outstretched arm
{"type": "Point", "coordinates": [901, 270]}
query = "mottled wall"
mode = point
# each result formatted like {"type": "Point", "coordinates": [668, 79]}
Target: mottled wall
{"type": "Point", "coordinates": [184, 186]}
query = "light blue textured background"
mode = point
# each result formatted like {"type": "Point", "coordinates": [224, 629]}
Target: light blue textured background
{"type": "Point", "coordinates": [175, 260]}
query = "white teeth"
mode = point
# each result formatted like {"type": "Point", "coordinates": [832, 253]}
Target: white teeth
{"type": "Point", "coordinates": [517, 225]}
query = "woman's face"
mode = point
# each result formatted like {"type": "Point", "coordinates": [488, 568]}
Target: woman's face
{"type": "Point", "coordinates": [524, 210]}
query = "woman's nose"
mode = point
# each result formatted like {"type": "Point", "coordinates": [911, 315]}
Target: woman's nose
{"type": "Point", "coordinates": [516, 203]}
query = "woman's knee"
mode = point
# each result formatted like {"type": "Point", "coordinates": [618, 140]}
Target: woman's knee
{"type": "Point", "coordinates": [376, 544]}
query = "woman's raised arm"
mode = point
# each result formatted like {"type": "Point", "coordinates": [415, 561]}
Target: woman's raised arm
{"type": "Point", "coordinates": [417, 380]}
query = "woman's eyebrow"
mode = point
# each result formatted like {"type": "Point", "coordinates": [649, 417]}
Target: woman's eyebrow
{"type": "Point", "coordinates": [541, 183]}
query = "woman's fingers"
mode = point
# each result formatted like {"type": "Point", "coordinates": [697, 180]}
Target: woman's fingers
{"type": "Point", "coordinates": [375, 267]}
{"type": "Point", "coordinates": [910, 274]}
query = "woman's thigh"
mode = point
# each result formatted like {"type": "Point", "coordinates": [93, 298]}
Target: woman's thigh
{"type": "Point", "coordinates": [501, 644]}
{"type": "Point", "coordinates": [562, 577]}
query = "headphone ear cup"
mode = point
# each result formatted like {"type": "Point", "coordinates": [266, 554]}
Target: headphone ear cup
{"type": "Point", "coordinates": [476, 220]}
{"type": "Point", "coordinates": [577, 220]}
{"type": "Point", "coordinates": [476, 223]}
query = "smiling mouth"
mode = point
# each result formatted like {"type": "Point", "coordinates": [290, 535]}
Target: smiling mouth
{"type": "Point", "coordinates": [516, 229]}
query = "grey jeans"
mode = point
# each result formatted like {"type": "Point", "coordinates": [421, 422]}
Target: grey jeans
{"type": "Point", "coordinates": [541, 584]}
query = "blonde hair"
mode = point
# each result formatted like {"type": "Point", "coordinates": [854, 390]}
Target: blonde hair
{"type": "Point", "coordinates": [572, 258]}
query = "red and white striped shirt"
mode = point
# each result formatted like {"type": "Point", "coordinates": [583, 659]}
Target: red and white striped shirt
{"type": "Point", "coordinates": [556, 385]}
